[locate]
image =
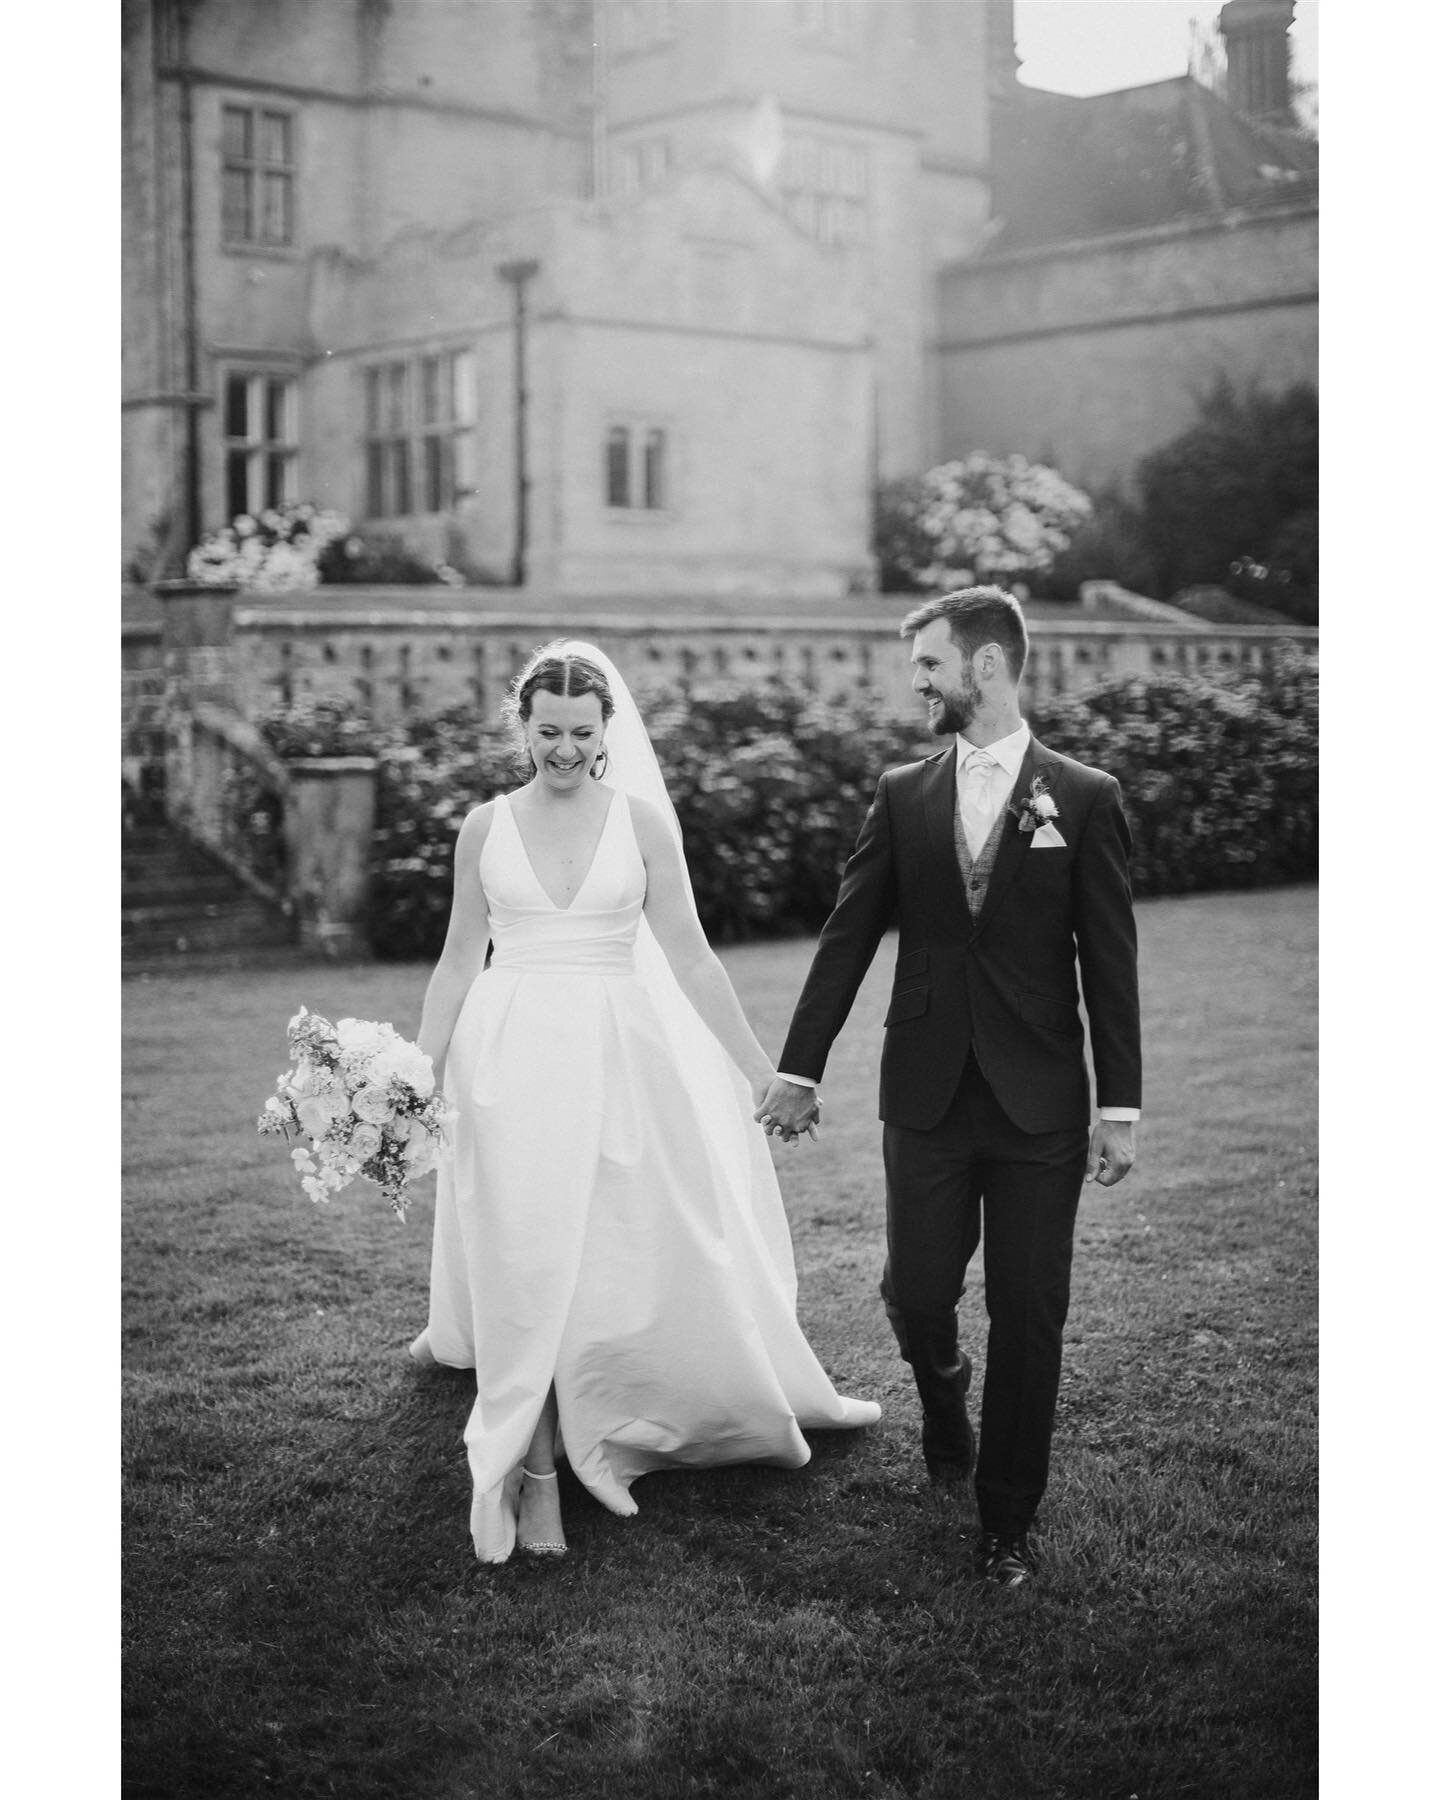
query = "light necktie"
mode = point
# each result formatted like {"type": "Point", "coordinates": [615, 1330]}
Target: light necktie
{"type": "Point", "coordinates": [977, 809]}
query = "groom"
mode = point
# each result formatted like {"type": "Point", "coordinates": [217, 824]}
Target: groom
{"type": "Point", "coordinates": [1003, 864]}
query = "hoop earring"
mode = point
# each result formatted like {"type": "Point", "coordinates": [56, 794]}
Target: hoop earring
{"type": "Point", "coordinates": [600, 764]}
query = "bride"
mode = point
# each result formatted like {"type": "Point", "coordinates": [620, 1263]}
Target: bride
{"type": "Point", "coordinates": [611, 1255]}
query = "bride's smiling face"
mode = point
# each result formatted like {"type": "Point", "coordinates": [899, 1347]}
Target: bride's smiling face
{"type": "Point", "coordinates": [564, 734]}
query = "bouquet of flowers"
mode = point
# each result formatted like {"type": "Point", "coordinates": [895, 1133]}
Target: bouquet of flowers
{"type": "Point", "coordinates": [365, 1097]}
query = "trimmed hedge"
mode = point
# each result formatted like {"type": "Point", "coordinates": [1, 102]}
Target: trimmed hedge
{"type": "Point", "coordinates": [771, 786]}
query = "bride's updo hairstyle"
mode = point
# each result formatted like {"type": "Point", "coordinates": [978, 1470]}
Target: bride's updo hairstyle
{"type": "Point", "coordinates": [553, 670]}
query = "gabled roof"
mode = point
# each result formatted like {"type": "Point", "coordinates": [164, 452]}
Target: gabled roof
{"type": "Point", "coordinates": [1067, 167]}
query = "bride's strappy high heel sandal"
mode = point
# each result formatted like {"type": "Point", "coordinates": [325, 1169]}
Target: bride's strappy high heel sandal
{"type": "Point", "coordinates": [540, 1549]}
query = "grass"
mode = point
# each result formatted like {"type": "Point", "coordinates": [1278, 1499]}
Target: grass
{"type": "Point", "coordinates": [303, 1614]}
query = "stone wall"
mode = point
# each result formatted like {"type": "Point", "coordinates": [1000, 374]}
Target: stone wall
{"type": "Point", "coordinates": [1088, 355]}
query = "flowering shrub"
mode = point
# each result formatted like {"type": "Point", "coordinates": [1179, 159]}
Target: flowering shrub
{"type": "Point", "coordinates": [380, 559]}
{"type": "Point", "coordinates": [299, 545]}
{"type": "Point", "coordinates": [321, 727]}
{"type": "Point", "coordinates": [279, 550]}
{"type": "Point", "coordinates": [432, 772]}
{"type": "Point", "coordinates": [771, 787]}
{"type": "Point", "coordinates": [983, 518]}
{"type": "Point", "coordinates": [1220, 777]}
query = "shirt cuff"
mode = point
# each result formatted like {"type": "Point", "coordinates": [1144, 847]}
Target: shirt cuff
{"type": "Point", "coordinates": [1120, 1113]}
{"type": "Point", "coordinates": [797, 1080]}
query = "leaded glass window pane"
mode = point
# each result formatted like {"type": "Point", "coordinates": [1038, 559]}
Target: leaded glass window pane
{"type": "Point", "coordinates": [237, 483]}
{"type": "Point", "coordinates": [235, 205]}
{"type": "Point", "coordinates": [617, 466]}
{"type": "Point", "coordinates": [236, 123]}
{"type": "Point", "coordinates": [237, 390]}
{"type": "Point", "coordinates": [655, 468]}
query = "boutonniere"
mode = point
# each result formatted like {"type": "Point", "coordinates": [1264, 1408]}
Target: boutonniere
{"type": "Point", "coordinates": [1037, 808]}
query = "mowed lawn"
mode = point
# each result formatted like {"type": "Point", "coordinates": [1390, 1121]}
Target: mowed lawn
{"type": "Point", "coordinates": [303, 1612]}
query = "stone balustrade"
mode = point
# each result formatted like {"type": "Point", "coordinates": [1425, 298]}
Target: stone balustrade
{"type": "Point", "coordinates": [394, 662]}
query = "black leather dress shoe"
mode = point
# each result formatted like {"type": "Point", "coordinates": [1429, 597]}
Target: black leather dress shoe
{"type": "Point", "coordinates": [947, 1439]}
{"type": "Point", "coordinates": [1005, 1559]}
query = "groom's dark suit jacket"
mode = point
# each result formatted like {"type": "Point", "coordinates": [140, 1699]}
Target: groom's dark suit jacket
{"type": "Point", "coordinates": [1004, 983]}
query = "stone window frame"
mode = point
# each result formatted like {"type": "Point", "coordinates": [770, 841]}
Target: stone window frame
{"type": "Point", "coordinates": [648, 485]}
{"type": "Point", "coordinates": [261, 441]}
{"type": "Point", "coordinates": [830, 199]}
{"type": "Point", "coordinates": [262, 174]}
{"type": "Point", "coordinates": [418, 435]}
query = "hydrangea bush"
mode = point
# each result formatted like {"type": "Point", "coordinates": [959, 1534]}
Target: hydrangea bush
{"type": "Point", "coordinates": [982, 518]}
{"type": "Point", "coordinates": [276, 551]}
{"type": "Point", "coordinates": [300, 545]}
{"type": "Point", "coordinates": [771, 787]}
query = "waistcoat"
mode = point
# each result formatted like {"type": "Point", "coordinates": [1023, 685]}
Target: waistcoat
{"type": "Point", "coordinates": [977, 869]}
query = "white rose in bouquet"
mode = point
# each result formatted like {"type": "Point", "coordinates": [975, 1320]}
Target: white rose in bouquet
{"type": "Point", "coordinates": [363, 1037]}
{"type": "Point", "coordinates": [364, 1142]}
{"type": "Point", "coordinates": [404, 1062]}
{"type": "Point", "coordinates": [372, 1103]}
{"type": "Point", "coordinates": [422, 1152]}
{"type": "Point", "coordinates": [318, 1112]}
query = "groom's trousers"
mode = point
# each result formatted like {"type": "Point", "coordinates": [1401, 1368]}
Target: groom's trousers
{"type": "Point", "coordinates": [977, 1164]}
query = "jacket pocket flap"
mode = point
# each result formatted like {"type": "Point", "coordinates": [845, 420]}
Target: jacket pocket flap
{"type": "Point", "coordinates": [908, 1005]}
{"type": "Point", "coordinates": [913, 962]}
{"type": "Point", "coordinates": [1054, 1015]}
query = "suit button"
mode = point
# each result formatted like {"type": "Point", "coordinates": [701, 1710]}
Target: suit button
{"type": "Point", "coordinates": [975, 881]}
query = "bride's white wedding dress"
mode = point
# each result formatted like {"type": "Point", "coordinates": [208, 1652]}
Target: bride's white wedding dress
{"type": "Point", "coordinates": [610, 1219]}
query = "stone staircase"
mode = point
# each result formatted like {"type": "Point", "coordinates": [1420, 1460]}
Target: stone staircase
{"type": "Point", "coordinates": [180, 908]}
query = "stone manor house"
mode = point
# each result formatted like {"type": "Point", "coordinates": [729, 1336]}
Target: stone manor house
{"type": "Point", "coordinates": [644, 296]}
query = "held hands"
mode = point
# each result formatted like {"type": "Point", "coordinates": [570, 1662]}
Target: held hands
{"type": "Point", "coordinates": [1112, 1151]}
{"type": "Point", "coordinates": [787, 1109]}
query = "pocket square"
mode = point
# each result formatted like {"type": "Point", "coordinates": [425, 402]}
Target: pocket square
{"type": "Point", "coordinates": [1047, 838]}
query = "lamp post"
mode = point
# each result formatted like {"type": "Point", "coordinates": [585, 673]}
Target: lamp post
{"type": "Point", "coordinates": [518, 274]}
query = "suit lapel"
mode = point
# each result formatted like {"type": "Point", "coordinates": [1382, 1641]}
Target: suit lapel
{"type": "Point", "coordinates": [939, 802]}
{"type": "Point", "coordinates": [1013, 842]}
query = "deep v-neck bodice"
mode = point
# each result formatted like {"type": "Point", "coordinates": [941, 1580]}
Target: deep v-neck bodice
{"type": "Point", "coordinates": [589, 868]}
{"type": "Point", "coordinates": [595, 932]}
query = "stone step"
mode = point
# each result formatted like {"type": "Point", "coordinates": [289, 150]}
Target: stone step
{"type": "Point", "coordinates": [152, 931]}
{"type": "Point", "coordinates": [173, 887]}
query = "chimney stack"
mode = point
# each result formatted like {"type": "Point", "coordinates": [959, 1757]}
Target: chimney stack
{"type": "Point", "coordinates": [1257, 57]}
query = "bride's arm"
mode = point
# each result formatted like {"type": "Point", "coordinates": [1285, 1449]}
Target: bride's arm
{"type": "Point", "coordinates": [466, 938]}
{"type": "Point", "coordinates": [671, 915]}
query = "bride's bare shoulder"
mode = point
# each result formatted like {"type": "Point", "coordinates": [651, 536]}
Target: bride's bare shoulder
{"type": "Point", "coordinates": [652, 827]}
{"type": "Point", "coordinates": [475, 826]}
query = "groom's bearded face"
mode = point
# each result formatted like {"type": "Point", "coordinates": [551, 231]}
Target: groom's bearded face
{"type": "Point", "coordinates": [951, 692]}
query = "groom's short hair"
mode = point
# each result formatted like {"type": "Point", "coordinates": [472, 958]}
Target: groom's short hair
{"type": "Point", "coordinates": [976, 616]}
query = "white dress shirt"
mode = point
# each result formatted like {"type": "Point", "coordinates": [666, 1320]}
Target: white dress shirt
{"type": "Point", "coordinates": [1008, 753]}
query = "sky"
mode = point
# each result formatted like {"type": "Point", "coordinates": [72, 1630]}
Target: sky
{"type": "Point", "coordinates": [1092, 46]}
